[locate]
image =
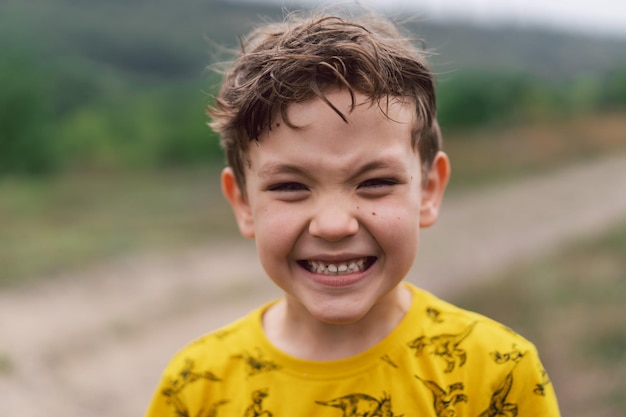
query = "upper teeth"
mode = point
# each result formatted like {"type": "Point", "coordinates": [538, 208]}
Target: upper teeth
{"type": "Point", "coordinates": [336, 269]}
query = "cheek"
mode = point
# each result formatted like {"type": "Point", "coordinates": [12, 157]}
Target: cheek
{"type": "Point", "coordinates": [276, 230]}
{"type": "Point", "coordinates": [396, 224]}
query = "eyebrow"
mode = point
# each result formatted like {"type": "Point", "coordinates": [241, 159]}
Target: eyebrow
{"type": "Point", "coordinates": [276, 168]}
{"type": "Point", "coordinates": [375, 165]}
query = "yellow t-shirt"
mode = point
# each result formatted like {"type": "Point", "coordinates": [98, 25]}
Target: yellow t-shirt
{"type": "Point", "coordinates": [439, 361]}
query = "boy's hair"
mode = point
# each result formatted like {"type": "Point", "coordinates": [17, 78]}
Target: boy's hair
{"type": "Point", "coordinates": [303, 58]}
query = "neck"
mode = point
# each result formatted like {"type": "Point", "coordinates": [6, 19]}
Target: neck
{"type": "Point", "coordinates": [299, 334]}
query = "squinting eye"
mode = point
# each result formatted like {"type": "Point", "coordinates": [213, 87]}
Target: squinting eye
{"type": "Point", "coordinates": [287, 187]}
{"type": "Point", "coordinates": [377, 183]}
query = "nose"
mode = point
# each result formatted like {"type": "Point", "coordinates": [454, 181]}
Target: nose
{"type": "Point", "coordinates": [333, 221]}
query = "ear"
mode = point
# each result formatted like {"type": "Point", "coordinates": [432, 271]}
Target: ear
{"type": "Point", "coordinates": [433, 188]}
{"type": "Point", "coordinates": [238, 202]}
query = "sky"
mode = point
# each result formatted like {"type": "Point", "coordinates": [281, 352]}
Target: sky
{"type": "Point", "coordinates": [601, 17]}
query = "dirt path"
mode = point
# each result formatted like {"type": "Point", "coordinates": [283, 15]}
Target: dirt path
{"type": "Point", "coordinates": [95, 344]}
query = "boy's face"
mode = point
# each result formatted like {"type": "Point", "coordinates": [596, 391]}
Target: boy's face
{"type": "Point", "coordinates": [336, 207]}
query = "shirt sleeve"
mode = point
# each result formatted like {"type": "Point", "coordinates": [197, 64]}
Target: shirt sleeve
{"type": "Point", "coordinates": [160, 404]}
{"type": "Point", "coordinates": [182, 390]}
{"type": "Point", "coordinates": [532, 387]}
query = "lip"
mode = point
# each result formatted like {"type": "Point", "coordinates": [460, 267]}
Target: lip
{"type": "Point", "coordinates": [335, 258]}
{"type": "Point", "coordinates": [338, 281]}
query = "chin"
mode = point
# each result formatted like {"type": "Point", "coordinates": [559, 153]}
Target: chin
{"type": "Point", "coordinates": [338, 315]}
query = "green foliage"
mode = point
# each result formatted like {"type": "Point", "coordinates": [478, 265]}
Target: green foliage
{"type": "Point", "coordinates": [613, 95]}
{"type": "Point", "coordinates": [471, 99]}
{"type": "Point", "coordinates": [25, 144]}
{"type": "Point", "coordinates": [65, 120]}
{"type": "Point", "coordinates": [156, 129]}
{"type": "Point", "coordinates": [118, 85]}
{"type": "Point", "coordinates": [103, 86]}
{"type": "Point", "coordinates": [476, 99]}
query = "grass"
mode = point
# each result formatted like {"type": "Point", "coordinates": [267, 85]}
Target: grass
{"type": "Point", "coordinates": [487, 157]}
{"type": "Point", "coordinates": [6, 364]}
{"type": "Point", "coordinates": [49, 226]}
{"type": "Point", "coordinates": [572, 304]}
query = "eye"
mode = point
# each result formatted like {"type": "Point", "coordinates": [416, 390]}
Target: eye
{"type": "Point", "coordinates": [287, 187]}
{"type": "Point", "coordinates": [378, 183]}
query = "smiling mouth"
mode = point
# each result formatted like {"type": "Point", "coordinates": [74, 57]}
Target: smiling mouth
{"type": "Point", "coordinates": [338, 268]}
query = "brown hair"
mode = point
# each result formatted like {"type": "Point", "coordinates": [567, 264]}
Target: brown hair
{"type": "Point", "coordinates": [302, 58]}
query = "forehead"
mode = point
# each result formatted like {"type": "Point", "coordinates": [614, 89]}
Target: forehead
{"type": "Point", "coordinates": [314, 134]}
{"type": "Point", "coordinates": [342, 109]}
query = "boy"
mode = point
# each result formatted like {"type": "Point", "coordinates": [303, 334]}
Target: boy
{"type": "Point", "coordinates": [334, 157]}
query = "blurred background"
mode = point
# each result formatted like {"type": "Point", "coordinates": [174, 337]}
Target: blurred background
{"type": "Point", "coordinates": [106, 161]}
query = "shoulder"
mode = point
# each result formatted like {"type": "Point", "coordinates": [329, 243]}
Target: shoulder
{"type": "Point", "coordinates": [475, 330]}
{"type": "Point", "coordinates": [195, 377]}
{"type": "Point", "coordinates": [461, 345]}
{"type": "Point", "coordinates": [216, 349]}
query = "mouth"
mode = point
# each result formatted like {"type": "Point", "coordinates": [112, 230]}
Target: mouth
{"type": "Point", "coordinates": [338, 268]}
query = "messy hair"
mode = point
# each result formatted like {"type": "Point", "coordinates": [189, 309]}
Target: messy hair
{"type": "Point", "coordinates": [305, 57]}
